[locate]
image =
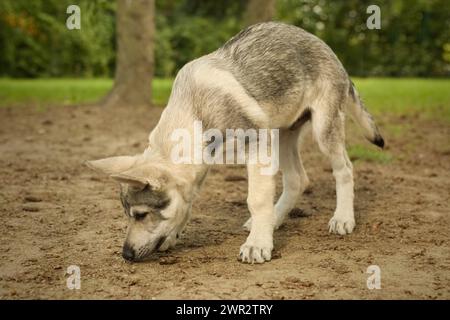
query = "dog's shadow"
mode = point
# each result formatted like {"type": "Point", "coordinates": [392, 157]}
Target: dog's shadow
{"type": "Point", "coordinates": [213, 232]}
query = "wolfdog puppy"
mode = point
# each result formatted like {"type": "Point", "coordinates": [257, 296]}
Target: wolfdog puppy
{"type": "Point", "coordinates": [269, 76]}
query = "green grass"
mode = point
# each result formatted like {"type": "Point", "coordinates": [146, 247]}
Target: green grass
{"type": "Point", "coordinates": [161, 91]}
{"type": "Point", "coordinates": [426, 97]}
{"type": "Point", "coordinates": [362, 153]}
{"type": "Point", "coordinates": [67, 91]}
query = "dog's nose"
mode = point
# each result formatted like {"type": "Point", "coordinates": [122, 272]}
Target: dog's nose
{"type": "Point", "coordinates": [128, 252]}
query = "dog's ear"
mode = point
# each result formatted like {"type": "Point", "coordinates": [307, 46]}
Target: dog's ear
{"type": "Point", "coordinates": [145, 174]}
{"type": "Point", "coordinates": [112, 165]}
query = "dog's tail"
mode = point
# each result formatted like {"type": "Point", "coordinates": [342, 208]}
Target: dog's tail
{"type": "Point", "coordinates": [360, 115]}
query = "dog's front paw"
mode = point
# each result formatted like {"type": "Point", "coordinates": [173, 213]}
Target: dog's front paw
{"type": "Point", "coordinates": [341, 226]}
{"type": "Point", "coordinates": [256, 251]}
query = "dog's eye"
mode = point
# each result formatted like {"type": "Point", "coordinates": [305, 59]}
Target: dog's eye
{"type": "Point", "coordinates": [139, 215]}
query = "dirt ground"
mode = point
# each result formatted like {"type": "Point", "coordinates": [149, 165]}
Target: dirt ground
{"type": "Point", "coordinates": [55, 213]}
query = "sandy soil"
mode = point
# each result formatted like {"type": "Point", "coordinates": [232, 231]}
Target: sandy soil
{"type": "Point", "coordinates": [56, 213]}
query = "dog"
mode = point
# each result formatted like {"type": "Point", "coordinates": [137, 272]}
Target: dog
{"type": "Point", "coordinates": [270, 75]}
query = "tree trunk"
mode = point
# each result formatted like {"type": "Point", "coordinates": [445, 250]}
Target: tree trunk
{"type": "Point", "coordinates": [134, 61]}
{"type": "Point", "coordinates": [259, 11]}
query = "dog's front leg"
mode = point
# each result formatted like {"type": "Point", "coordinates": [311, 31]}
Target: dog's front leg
{"type": "Point", "coordinates": [261, 192]}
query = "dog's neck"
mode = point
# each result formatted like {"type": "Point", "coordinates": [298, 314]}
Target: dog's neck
{"type": "Point", "coordinates": [161, 144]}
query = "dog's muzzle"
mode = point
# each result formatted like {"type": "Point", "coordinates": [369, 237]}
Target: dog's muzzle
{"type": "Point", "coordinates": [129, 254]}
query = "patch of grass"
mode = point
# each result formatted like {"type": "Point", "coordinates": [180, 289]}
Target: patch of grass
{"type": "Point", "coordinates": [361, 153]}
{"type": "Point", "coordinates": [161, 91]}
{"type": "Point", "coordinates": [67, 91]}
{"type": "Point", "coordinates": [426, 97]}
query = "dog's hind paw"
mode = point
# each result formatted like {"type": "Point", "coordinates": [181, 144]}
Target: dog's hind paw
{"type": "Point", "coordinates": [341, 226]}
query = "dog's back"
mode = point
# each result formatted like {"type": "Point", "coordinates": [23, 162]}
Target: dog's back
{"type": "Point", "coordinates": [273, 60]}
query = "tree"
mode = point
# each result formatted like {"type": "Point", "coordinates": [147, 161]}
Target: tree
{"type": "Point", "coordinates": [135, 58]}
{"type": "Point", "coordinates": [259, 11]}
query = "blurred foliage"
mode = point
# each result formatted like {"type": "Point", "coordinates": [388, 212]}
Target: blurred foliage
{"type": "Point", "coordinates": [34, 40]}
{"type": "Point", "coordinates": [414, 39]}
{"type": "Point", "coordinates": [188, 29]}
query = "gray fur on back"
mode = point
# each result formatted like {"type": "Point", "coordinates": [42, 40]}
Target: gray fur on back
{"type": "Point", "coordinates": [271, 59]}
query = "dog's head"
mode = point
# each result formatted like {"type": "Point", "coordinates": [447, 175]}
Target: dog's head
{"type": "Point", "coordinates": [156, 202]}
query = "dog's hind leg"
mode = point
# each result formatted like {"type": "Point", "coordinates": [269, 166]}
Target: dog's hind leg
{"type": "Point", "coordinates": [295, 179]}
{"type": "Point", "coordinates": [328, 121]}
